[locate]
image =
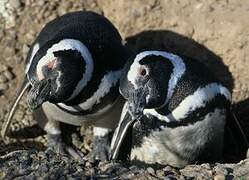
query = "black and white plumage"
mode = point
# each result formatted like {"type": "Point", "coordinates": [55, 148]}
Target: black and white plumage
{"type": "Point", "coordinates": [73, 70]}
{"type": "Point", "coordinates": [175, 111]}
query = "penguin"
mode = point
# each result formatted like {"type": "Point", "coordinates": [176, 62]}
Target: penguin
{"type": "Point", "coordinates": [175, 111]}
{"type": "Point", "coordinates": [72, 76]}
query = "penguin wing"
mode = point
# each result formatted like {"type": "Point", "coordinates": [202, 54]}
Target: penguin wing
{"type": "Point", "coordinates": [122, 139]}
{"type": "Point", "coordinates": [25, 86]}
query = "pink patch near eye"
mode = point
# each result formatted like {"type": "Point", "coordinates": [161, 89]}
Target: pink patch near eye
{"type": "Point", "coordinates": [52, 64]}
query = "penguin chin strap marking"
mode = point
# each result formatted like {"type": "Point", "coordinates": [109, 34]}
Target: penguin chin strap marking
{"type": "Point", "coordinates": [6, 124]}
{"type": "Point", "coordinates": [192, 102]}
{"type": "Point", "coordinates": [107, 82]}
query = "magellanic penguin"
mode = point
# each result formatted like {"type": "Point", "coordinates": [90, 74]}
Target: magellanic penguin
{"type": "Point", "coordinates": [72, 73]}
{"type": "Point", "coordinates": [175, 111]}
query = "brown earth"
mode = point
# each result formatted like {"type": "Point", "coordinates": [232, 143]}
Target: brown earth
{"type": "Point", "coordinates": [215, 32]}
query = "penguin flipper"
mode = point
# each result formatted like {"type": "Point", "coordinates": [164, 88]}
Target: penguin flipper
{"type": "Point", "coordinates": [25, 86]}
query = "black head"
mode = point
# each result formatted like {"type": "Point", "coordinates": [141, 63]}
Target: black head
{"type": "Point", "coordinates": [145, 80]}
{"type": "Point", "coordinates": [55, 76]}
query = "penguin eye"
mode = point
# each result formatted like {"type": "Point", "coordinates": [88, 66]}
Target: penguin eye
{"type": "Point", "coordinates": [143, 72]}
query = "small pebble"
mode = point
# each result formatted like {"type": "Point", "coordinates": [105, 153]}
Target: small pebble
{"type": "Point", "coordinates": [26, 163]}
{"type": "Point", "coordinates": [134, 168]}
{"type": "Point", "coordinates": [3, 78]}
{"type": "Point", "coordinates": [105, 167]}
{"type": "Point", "coordinates": [43, 168]}
{"type": "Point", "coordinates": [79, 169]}
{"type": "Point", "coordinates": [170, 177]}
{"type": "Point", "coordinates": [88, 164]}
{"type": "Point", "coordinates": [219, 177]}
{"type": "Point", "coordinates": [3, 87]}
{"type": "Point", "coordinates": [167, 168]}
{"type": "Point", "coordinates": [3, 67]}
{"type": "Point", "coordinates": [25, 49]}
{"type": "Point", "coordinates": [9, 75]}
{"type": "Point", "coordinates": [151, 170]}
{"type": "Point", "coordinates": [15, 3]}
{"type": "Point", "coordinates": [247, 155]}
{"type": "Point", "coordinates": [160, 173]}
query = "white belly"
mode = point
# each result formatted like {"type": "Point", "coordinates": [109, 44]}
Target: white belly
{"type": "Point", "coordinates": [179, 146]}
{"type": "Point", "coordinates": [107, 117]}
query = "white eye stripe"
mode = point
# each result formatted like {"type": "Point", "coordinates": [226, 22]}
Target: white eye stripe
{"type": "Point", "coordinates": [67, 44]}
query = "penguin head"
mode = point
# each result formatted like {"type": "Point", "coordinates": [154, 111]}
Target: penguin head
{"type": "Point", "coordinates": [55, 76]}
{"type": "Point", "coordinates": [144, 82]}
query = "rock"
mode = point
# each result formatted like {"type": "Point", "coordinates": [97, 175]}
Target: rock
{"type": "Point", "coordinates": [3, 87]}
{"type": "Point", "coordinates": [1, 32]}
{"type": "Point", "coordinates": [160, 173]}
{"type": "Point", "coordinates": [219, 177]}
{"type": "Point", "coordinates": [106, 166]}
{"type": "Point", "coordinates": [170, 177]}
{"type": "Point", "coordinates": [3, 67]}
{"type": "Point", "coordinates": [197, 171]}
{"type": "Point", "coordinates": [9, 51]}
{"type": "Point", "coordinates": [88, 164]}
{"type": "Point", "coordinates": [3, 78]}
{"type": "Point", "coordinates": [15, 4]}
{"type": "Point", "coordinates": [43, 168]}
{"type": "Point", "coordinates": [8, 74]}
{"type": "Point", "coordinates": [133, 168]}
{"type": "Point", "coordinates": [151, 170]}
{"type": "Point", "coordinates": [25, 50]}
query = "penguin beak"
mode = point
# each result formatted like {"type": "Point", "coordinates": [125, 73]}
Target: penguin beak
{"type": "Point", "coordinates": [134, 107]}
{"type": "Point", "coordinates": [136, 103]}
{"type": "Point", "coordinates": [122, 132]}
{"type": "Point", "coordinates": [39, 93]}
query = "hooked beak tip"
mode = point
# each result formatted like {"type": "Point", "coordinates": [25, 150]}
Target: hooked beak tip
{"type": "Point", "coordinates": [38, 94]}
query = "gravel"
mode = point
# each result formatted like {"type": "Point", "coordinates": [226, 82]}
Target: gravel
{"type": "Point", "coordinates": [37, 164]}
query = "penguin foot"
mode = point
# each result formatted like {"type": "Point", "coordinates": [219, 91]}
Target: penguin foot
{"type": "Point", "coordinates": [100, 151]}
{"type": "Point", "coordinates": [57, 146]}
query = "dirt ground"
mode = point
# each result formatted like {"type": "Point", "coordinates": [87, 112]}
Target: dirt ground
{"type": "Point", "coordinates": [215, 32]}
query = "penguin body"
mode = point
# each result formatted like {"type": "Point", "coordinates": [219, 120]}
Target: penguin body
{"type": "Point", "coordinates": [72, 73]}
{"type": "Point", "coordinates": [175, 111]}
